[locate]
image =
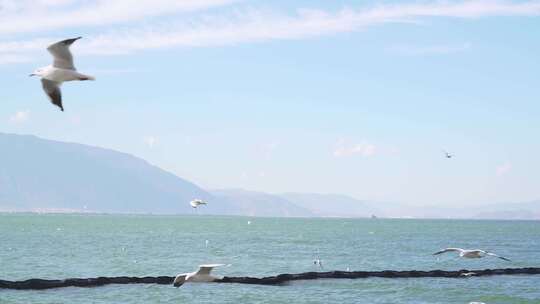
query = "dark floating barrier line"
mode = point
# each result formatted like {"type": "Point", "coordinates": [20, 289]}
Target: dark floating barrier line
{"type": "Point", "coordinates": [285, 278]}
{"type": "Point", "coordinates": [36, 284]}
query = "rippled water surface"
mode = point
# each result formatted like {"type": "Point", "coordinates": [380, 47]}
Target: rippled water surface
{"type": "Point", "coordinates": [63, 246]}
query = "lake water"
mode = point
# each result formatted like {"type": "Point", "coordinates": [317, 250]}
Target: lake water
{"type": "Point", "coordinates": [63, 246]}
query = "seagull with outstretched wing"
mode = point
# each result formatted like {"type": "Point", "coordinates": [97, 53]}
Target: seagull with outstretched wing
{"type": "Point", "coordinates": [471, 253]}
{"type": "Point", "coordinates": [197, 202]}
{"type": "Point", "coordinates": [447, 154]}
{"type": "Point", "coordinates": [201, 275]}
{"type": "Point", "coordinates": [62, 70]}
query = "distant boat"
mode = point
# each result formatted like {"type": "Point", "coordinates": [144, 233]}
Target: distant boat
{"type": "Point", "coordinates": [373, 216]}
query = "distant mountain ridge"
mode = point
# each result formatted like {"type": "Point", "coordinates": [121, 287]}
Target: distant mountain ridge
{"type": "Point", "coordinates": [258, 203]}
{"type": "Point", "coordinates": [44, 175]}
{"type": "Point", "coordinates": [334, 205]}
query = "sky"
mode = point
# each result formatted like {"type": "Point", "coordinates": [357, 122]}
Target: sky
{"type": "Point", "coordinates": [350, 97]}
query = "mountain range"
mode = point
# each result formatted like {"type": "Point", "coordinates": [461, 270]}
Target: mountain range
{"type": "Point", "coordinates": [50, 176]}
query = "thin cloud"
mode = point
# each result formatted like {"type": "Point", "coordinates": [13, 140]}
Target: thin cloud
{"type": "Point", "coordinates": [150, 141]}
{"type": "Point", "coordinates": [266, 149]}
{"type": "Point", "coordinates": [363, 149]}
{"type": "Point", "coordinates": [13, 58]}
{"type": "Point", "coordinates": [54, 15]}
{"type": "Point", "coordinates": [258, 26]}
{"type": "Point", "coordinates": [430, 49]}
{"type": "Point", "coordinates": [20, 117]}
{"type": "Point", "coordinates": [113, 71]}
{"type": "Point", "coordinates": [74, 119]}
{"type": "Point", "coordinates": [503, 169]}
{"type": "Point", "coordinates": [244, 26]}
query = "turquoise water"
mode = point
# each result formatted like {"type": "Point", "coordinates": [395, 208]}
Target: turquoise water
{"type": "Point", "coordinates": [63, 246]}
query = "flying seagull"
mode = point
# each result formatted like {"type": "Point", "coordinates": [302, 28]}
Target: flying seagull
{"type": "Point", "coordinates": [62, 69]}
{"type": "Point", "coordinates": [318, 261]}
{"type": "Point", "coordinates": [471, 254]}
{"type": "Point", "coordinates": [196, 203]}
{"type": "Point", "coordinates": [201, 275]}
{"type": "Point", "coordinates": [447, 155]}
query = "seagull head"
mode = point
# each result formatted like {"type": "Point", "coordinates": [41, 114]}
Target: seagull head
{"type": "Point", "coordinates": [38, 72]}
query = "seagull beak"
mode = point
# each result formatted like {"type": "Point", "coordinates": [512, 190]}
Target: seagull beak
{"type": "Point", "coordinates": [31, 75]}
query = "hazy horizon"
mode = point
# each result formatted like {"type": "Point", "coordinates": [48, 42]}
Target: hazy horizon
{"type": "Point", "coordinates": [33, 169]}
{"type": "Point", "coordinates": [232, 187]}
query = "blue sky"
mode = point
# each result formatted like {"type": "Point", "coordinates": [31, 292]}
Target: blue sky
{"type": "Point", "coordinates": [351, 97]}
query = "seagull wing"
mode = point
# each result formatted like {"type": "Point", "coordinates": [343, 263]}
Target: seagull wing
{"type": "Point", "coordinates": [497, 256]}
{"type": "Point", "coordinates": [62, 56]}
{"type": "Point", "coordinates": [448, 250]}
{"type": "Point", "coordinates": [206, 269]}
{"type": "Point", "coordinates": [52, 89]}
{"type": "Point", "coordinates": [179, 280]}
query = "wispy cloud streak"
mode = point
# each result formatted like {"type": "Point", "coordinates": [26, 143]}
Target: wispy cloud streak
{"type": "Point", "coordinates": [23, 16]}
{"type": "Point", "coordinates": [364, 149]}
{"type": "Point", "coordinates": [20, 117]}
{"type": "Point", "coordinates": [503, 169]}
{"type": "Point", "coordinates": [414, 50]}
{"type": "Point", "coordinates": [245, 26]}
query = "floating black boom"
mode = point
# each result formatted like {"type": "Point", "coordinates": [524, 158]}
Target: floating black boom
{"type": "Point", "coordinates": [273, 280]}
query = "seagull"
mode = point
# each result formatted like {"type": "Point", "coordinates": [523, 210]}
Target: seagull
{"type": "Point", "coordinates": [471, 254]}
{"type": "Point", "coordinates": [448, 155]}
{"type": "Point", "coordinates": [196, 203]}
{"type": "Point", "coordinates": [318, 261]}
{"type": "Point", "coordinates": [62, 69]}
{"type": "Point", "coordinates": [201, 275]}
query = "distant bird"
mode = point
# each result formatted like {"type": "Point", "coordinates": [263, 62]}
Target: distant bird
{"type": "Point", "coordinates": [471, 254]}
{"type": "Point", "coordinates": [318, 261]}
{"type": "Point", "coordinates": [62, 69]}
{"type": "Point", "coordinates": [196, 203]}
{"type": "Point", "coordinates": [468, 274]}
{"type": "Point", "coordinates": [448, 155]}
{"type": "Point", "coordinates": [201, 275]}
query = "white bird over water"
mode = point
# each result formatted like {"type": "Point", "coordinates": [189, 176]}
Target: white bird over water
{"type": "Point", "coordinates": [201, 275]}
{"type": "Point", "coordinates": [471, 254]}
{"type": "Point", "coordinates": [196, 203]}
{"type": "Point", "coordinates": [62, 69]}
{"type": "Point", "coordinates": [318, 261]}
